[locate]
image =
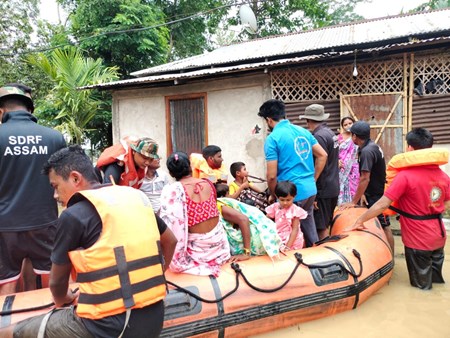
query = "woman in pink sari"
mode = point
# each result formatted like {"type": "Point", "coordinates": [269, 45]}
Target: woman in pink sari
{"type": "Point", "coordinates": [189, 208]}
{"type": "Point", "coordinates": [348, 162]}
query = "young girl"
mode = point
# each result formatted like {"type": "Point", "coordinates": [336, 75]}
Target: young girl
{"type": "Point", "coordinates": [287, 216]}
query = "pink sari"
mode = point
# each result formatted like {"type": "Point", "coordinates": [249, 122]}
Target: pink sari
{"type": "Point", "coordinates": [196, 254]}
{"type": "Point", "coordinates": [349, 173]}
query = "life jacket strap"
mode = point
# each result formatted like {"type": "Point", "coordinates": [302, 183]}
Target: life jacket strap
{"type": "Point", "coordinates": [87, 298]}
{"type": "Point", "coordinates": [416, 217]}
{"type": "Point", "coordinates": [124, 277]}
{"type": "Point", "coordinates": [127, 319]}
{"type": "Point", "coordinates": [92, 276]}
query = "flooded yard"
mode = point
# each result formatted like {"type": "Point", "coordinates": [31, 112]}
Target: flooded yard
{"type": "Point", "coordinates": [396, 311]}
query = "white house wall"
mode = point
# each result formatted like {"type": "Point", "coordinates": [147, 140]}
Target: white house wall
{"type": "Point", "coordinates": [232, 106]}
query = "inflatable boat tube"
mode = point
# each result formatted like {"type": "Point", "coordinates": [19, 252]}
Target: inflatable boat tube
{"type": "Point", "coordinates": [415, 158]}
{"type": "Point", "coordinates": [261, 295]}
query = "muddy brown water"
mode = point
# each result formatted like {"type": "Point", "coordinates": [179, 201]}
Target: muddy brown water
{"type": "Point", "coordinates": [396, 311]}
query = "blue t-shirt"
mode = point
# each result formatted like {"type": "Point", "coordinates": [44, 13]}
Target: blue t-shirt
{"type": "Point", "coordinates": [291, 146]}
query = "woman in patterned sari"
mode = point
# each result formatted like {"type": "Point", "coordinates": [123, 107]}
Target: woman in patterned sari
{"type": "Point", "coordinates": [348, 162]}
{"type": "Point", "coordinates": [189, 208]}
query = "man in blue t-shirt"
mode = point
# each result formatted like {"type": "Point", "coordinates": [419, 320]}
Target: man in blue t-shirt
{"type": "Point", "coordinates": [289, 151]}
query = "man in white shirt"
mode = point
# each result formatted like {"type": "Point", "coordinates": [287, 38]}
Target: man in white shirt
{"type": "Point", "coordinates": [154, 181]}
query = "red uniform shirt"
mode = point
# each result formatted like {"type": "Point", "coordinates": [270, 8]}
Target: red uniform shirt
{"type": "Point", "coordinates": [421, 191]}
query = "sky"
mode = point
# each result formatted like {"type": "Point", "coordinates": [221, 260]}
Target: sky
{"type": "Point", "coordinates": [381, 8]}
{"type": "Point", "coordinates": [374, 9]}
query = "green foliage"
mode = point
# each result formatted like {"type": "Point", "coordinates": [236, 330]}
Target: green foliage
{"type": "Point", "coordinates": [132, 35]}
{"type": "Point", "coordinates": [16, 20]}
{"type": "Point", "coordinates": [68, 70]}
{"type": "Point", "coordinates": [431, 5]}
{"type": "Point", "coordinates": [16, 28]}
{"type": "Point", "coordinates": [16, 25]}
{"type": "Point", "coordinates": [190, 37]}
{"type": "Point", "coordinates": [97, 25]}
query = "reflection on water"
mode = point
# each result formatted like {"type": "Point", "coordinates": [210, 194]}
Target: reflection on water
{"type": "Point", "coordinates": [396, 311]}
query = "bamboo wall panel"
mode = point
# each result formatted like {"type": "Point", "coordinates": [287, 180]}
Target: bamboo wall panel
{"type": "Point", "coordinates": [294, 109]}
{"type": "Point", "coordinates": [327, 83]}
{"type": "Point", "coordinates": [428, 79]}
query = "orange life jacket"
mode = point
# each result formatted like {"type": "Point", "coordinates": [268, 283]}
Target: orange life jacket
{"type": "Point", "coordinates": [413, 158]}
{"type": "Point", "coordinates": [122, 270]}
{"type": "Point", "coordinates": [122, 154]}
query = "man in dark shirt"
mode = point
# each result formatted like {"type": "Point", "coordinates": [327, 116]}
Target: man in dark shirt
{"type": "Point", "coordinates": [328, 181]}
{"type": "Point", "coordinates": [372, 168]}
{"type": "Point", "coordinates": [91, 211]}
{"type": "Point", "coordinates": [28, 212]}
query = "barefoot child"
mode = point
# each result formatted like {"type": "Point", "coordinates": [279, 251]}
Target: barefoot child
{"type": "Point", "coordinates": [287, 216]}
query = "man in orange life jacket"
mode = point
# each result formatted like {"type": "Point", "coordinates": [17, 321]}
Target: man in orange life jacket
{"type": "Point", "coordinates": [423, 194]}
{"type": "Point", "coordinates": [109, 237]}
{"type": "Point", "coordinates": [125, 163]}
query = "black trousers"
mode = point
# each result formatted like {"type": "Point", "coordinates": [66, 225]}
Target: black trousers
{"type": "Point", "coordinates": [424, 267]}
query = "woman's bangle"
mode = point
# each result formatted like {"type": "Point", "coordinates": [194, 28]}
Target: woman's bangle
{"type": "Point", "coordinates": [246, 252]}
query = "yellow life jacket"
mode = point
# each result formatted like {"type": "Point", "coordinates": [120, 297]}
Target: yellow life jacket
{"type": "Point", "coordinates": [201, 169]}
{"type": "Point", "coordinates": [123, 269]}
{"type": "Point", "coordinates": [415, 158]}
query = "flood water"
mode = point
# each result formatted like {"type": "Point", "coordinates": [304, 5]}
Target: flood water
{"type": "Point", "coordinates": [396, 311]}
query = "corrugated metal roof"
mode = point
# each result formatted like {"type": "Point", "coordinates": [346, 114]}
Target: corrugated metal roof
{"type": "Point", "coordinates": [243, 67]}
{"type": "Point", "coordinates": [369, 32]}
{"type": "Point", "coordinates": [203, 72]}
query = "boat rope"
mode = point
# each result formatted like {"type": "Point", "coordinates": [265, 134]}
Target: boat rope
{"type": "Point", "coordinates": [203, 299]}
{"type": "Point", "coordinates": [29, 309]}
{"type": "Point", "coordinates": [239, 272]}
{"type": "Point", "coordinates": [299, 258]}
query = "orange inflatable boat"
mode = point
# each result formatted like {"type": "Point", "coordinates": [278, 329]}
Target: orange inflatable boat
{"type": "Point", "coordinates": [259, 295]}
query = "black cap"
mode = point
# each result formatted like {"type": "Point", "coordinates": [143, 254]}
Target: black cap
{"type": "Point", "coordinates": [361, 128]}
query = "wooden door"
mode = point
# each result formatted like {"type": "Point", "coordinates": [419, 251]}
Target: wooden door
{"type": "Point", "coordinates": [386, 114]}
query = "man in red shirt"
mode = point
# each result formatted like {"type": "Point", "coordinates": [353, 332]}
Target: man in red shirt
{"type": "Point", "coordinates": [423, 194]}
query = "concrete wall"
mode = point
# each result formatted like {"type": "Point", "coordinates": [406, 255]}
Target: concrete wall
{"type": "Point", "coordinates": [232, 106]}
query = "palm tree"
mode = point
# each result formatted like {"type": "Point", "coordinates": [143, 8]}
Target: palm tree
{"type": "Point", "coordinates": [69, 70]}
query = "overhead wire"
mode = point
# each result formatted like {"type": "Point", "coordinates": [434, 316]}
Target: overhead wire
{"type": "Point", "coordinates": [121, 31]}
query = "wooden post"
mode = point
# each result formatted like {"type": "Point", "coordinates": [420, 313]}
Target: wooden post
{"type": "Point", "coordinates": [411, 90]}
{"type": "Point", "coordinates": [405, 118]}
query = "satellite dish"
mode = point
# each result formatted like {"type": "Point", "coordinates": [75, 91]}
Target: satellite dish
{"type": "Point", "coordinates": [248, 19]}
